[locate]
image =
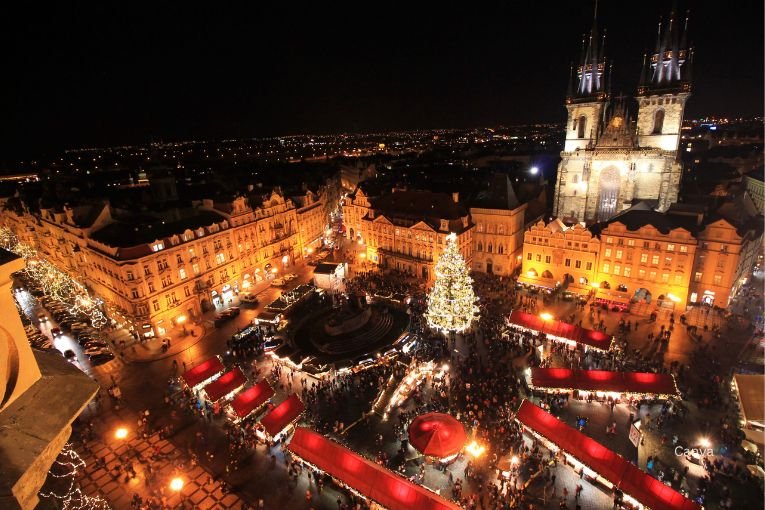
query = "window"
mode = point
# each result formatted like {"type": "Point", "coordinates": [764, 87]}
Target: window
{"type": "Point", "coordinates": [670, 247]}
{"type": "Point", "coordinates": [617, 269]}
{"type": "Point", "coordinates": [697, 277]}
{"type": "Point", "coordinates": [655, 260]}
{"type": "Point", "coordinates": [220, 258]}
{"type": "Point", "coordinates": [501, 249]}
{"type": "Point", "coordinates": [678, 278]}
{"type": "Point", "coordinates": [187, 291]}
{"type": "Point", "coordinates": [146, 270]}
{"type": "Point", "coordinates": [547, 259]}
{"type": "Point", "coordinates": [606, 267]}
{"type": "Point", "coordinates": [589, 266]}
{"type": "Point", "coordinates": [130, 275]}
{"type": "Point", "coordinates": [580, 125]}
{"type": "Point", "coordinates": [155, 305]}
{"type": "Point", "coordinates": [618, 254]}
{"type": "Point", "coordinates": [658, 122]}
{"type": "Point", "coordinates": [178, 258]}
{"type": "Point", "coordinates": [608, 252]}
{"type": "Point", "coordinates": [568, 263]}
{"type": "Point", "coordinates": [539, 257]}
{"type": "Point", "coordinates": [667, 261]}
{"type": "Point", "coordinates": [578, 264]}
{"type": "Point", "coordinates": [182, 274]}
{"type": "Point", "coordinates": [652, 275]}
{"type": "Point", "coordinates": [195, 268]}
{"type": "Point", "coordinates": [641, 274]}
{"type": "Point", "coordinates": [158, 246]}
{"type": "Point", "coordinates": [480, 246]}
{"type": "Point", "coordinates": [643, 258]}
{"type": "Point", "coordinates": [169, 299]}
{"type": "Point", "coordinates": [683, 248]}
{"type": "Point", "coordinates": [528, 257]}
{"type": "Point", "coordinates": [151, 286]}
{"type": "Point", "coordinates": [665, 277]}
{"type": "Point", "coordinates": [134, 293]}
{"type": "Point", "coordinates": [630, 242]}
{"type": "Point", "coordinates": [718, 279]}
{"type": "Point", "coordinates": [609, 240]}
{"type": "Point", "coordinates": [490, 248]}
{"type": "Point", "coordinates": [724, 248]}
{"type": "Point", "coordinates": [627, 271]}
{"type": "Point", "coordinates": [646, 245]}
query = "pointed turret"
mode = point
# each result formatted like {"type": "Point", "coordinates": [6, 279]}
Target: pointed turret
{"type": "Point", "coordinates": [668, 71]}
{"type": "Point", "coordinates": [592, 67]}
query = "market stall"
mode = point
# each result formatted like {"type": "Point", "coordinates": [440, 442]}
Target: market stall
{"type": "Point", "coordinates": [250, 401]}
{"type": "Point", "coordinates": [562, 331]}
{"type": "Point", "coordinates": [437, 435]}
{"type": "Point", "coordinates": [203, 374]}
{"type": "Point", "coordinates": [279, 419]}
{"type": "Point", "coordinates": [604, 383]}
{"type": "Point", "coordinates": [225, 385]}
{"type": "Point", "coordinates": [750, 390]}
{"type": "Point", "coordinates": [600, 464]}
{"type": "Point", "coordinates": [367, 479]}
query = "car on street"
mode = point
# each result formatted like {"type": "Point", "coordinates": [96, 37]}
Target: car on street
{"type": "Point", "coordinates": [289, 277]}
{"type": "Point", "coordinates": [248, 298]}
{"type": "Point", "coordinates": [278, 282]}
{"type": "Point", "coordinates": [43, 318]}
{"type": "Point", "coordinates": [100, 359]}
{"type": "Point", "coordinates": [272, 344]}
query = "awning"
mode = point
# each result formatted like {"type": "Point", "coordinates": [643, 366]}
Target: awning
{"type": "Point", "coordinates": [364, 476]}
{"type": "Point", "coordinates": [751, 395]}
{"type": "Point", "coordinates": [603, 380]}
{"type": "Point", "coordinates": [437, 435]}
{"type": "Point", "coordinates": [282, 415]}
{"type": "Point", "coordinates": [251, 399]}
{"type": "Point", "coordinates": [613, 296]}
{"type": "Point", "coordinates": [642, 487]}
{"type": "Point", "coordinates": [225, 384]}
{"type": "Point", "coordinates": [203, 372]}
{"type": "Point", "coordinates": [560, 329]}
{"type": "Point", "coordinates": [537, 281]}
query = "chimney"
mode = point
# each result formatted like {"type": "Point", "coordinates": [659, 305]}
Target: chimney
{"type": "Point", "coordinates": [456, 197]}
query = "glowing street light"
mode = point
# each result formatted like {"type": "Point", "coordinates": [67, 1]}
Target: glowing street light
{"type": "Point", "coordinates": [121, 433]}
{"type": "Point", "coordinates": [534, 170]}
{"type": "Point", "coordinates": [475, 449]}
{"type": "Point", "coordinates": [182, 321]}
{"type": "Point", "coordinates": [176, 484]}
{"type": "Point", "coordinates": [545, 316]}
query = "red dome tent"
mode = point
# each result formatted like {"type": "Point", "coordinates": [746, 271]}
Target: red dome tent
{"type": "Point", "coordinates": [437, 435]}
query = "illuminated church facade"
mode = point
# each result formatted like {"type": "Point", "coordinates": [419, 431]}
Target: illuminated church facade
{"type": "Point", "coordinates": [610, 159]}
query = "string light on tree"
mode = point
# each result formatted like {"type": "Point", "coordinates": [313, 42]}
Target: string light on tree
{"type": "Point", "coordinates": [451, 301]}
{"type": "Point", "coordinates": [65, 493]}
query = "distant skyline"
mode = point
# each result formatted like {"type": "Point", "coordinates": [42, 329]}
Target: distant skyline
{"type": "Point", "coordinates": [113, 75]}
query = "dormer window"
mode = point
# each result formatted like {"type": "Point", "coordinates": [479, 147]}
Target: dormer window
{"type": "Point", "coordinates": [158, 246]}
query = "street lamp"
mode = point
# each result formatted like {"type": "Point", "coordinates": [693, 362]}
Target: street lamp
{"type": "Point", "coordinates": [475, 449]}
{"type": "Point", "coordinates": [534, 170]}
{"type": "Point", "coordinates": [176, 484]}
{"type": "Point", "coordinates": [121, 433]}
{"type": "Point", "coordinates": [545, 316]}
{"type": "Point", "coordinates": [182, 321]}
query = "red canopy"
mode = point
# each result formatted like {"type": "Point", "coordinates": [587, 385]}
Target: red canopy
{"type": "Point", "coordinates": [561, 329]}
{"type": "Point", "coordinates": [202, 372]}
{"type": "Point", "coordinates": [611, 466]}
{"type": "Point", "coordinates": [282, 415]}
{"type": "Point", "coordinates": [251, 399]}
{"type": "Point", "coordinates": [364, 476]}
{"type": "Point", "coordinates": [603, 380]}
{"type": "Point", "coordinates": [225, 384]}
{"type": "Point", "coordinates": [437, 435]}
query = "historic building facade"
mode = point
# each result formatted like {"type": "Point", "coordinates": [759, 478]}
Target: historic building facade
{"type": "Point", "coordinates": [609, 160]}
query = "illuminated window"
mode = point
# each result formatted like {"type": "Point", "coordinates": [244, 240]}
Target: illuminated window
{"type": "Point", "coordinates": [697, 277]}
{"type": "Point", "coordinates": [627, 271]}
{"type": "Point", "coordinates": [683, 248]}
{"type": "Point", "coordinates": [678, 278]}
{"type": "Point", "coordinates": [643, 258]}
{"type": "Point", "coordinates": [618, 254]}
{"type": "Point", "coordinates": [589, 266]}
{"type": "Point", "coordinates": [182, 274]}
{"type": "Point", "coordinates": [665, 277]}
{"type": "Point", "coordinates": [655, 260]}
{"type": "Point", "coordinates": [158, 246]}
{"type": "Point", "coordinates": [617, 269]}
{"type": "Point", "coordinates": [608, 252]}
{"type": "Point", "coordinates": [718, 279]}
{"type": "Point", "coordinates": [606, 267]}
{"type": "Point", "coordinates": [670, 247]}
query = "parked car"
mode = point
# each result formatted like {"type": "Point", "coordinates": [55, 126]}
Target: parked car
{"type": "Point", "coordinates": [289, 277]}
{"type": "Point", "coordinates": [43, 318]}
{"type": "Point", "coordinates": [248, 298]}
{"type": "Point", "coordinates": [278, 282]}
{"type": "Point", "coordinates": [100, 359]}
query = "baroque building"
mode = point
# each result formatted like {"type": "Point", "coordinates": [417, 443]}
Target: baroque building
{"type": "Point", "coordinates": [612, 159]}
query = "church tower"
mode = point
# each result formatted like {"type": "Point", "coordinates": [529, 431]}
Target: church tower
{"type": "Point", "coordinates": [664, 88]}
{"type": "Point", "coordinates": [586, 104]}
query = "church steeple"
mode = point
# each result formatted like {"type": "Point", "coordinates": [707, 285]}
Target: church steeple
{"type": "Point", "coordinates": [669, 70]}
{"type": "Point", "coordinates": [591, 71]}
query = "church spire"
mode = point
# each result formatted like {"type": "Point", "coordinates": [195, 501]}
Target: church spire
{"type": "Point", "coordinates": [592, 66]}
{"type": "Point", "coordinates": [668, 71]}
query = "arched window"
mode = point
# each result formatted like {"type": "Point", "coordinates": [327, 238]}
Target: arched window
{"type": "Point", "coordinates": [500, 249]}
{"type": "Point", "coordinates": [480, 246]}
{"type": "Point", "coordinates": [490, 248]}
{"type": "Point", "coordinates": [581, 124]}
{"type": "Point", "coordinates": [547, 274]}
{"type": "Point", "coordinates": [575, 179]}
{"type": "Point", "coordinates": [658, 122]}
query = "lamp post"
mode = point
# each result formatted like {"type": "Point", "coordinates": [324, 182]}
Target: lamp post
{"type": "Point", "coordinates": [182, 321]}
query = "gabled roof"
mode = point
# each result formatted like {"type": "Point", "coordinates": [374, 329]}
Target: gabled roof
{"type": "Point", "coordinates": [423, 204]}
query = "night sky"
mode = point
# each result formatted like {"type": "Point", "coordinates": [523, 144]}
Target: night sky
{"type": "Point", "coordinates": [110, 75]}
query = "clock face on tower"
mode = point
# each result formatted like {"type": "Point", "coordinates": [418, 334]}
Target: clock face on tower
{"type": "Point", "coordinates": [617, 121]}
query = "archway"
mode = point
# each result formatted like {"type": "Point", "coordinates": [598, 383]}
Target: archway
{"type": "Point", "coordinates": [547, 274]}
{"type": "Point", "coordinates": [608, 195]}
{"type": "Point", "coordinates": [642, 294]}
{"type": "Point", "coordinates": [353, 237]}
{"type": "Point", "coordinates": [489, 267]}
{"type": "Point", "coordinates": [206, 306]}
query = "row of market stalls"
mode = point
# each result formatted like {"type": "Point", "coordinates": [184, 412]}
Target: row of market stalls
{"type": "Point", "coordinates": [600, 464]}
{"type": "Point", "coordinates": [226, 389]}
{"type": "Point", "coordinates": [362, 476]}
{"type": "Point", "coordinates": [604, 383]}
{"type": "Point", "coordinates": [561, 331]}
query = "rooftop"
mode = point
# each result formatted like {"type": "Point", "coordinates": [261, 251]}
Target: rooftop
{"type": "Point", "coordinates": [145, 229]}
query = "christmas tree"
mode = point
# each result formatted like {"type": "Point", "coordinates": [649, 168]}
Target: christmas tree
{"type": "Point", "coordinates": [451, 302]}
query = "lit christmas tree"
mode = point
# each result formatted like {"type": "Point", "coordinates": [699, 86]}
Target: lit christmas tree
{"type": "Point", "coordinates": [451, 302]}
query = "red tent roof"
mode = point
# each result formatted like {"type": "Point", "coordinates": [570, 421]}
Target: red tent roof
{"type": "Point", "coordinates": [611, 466]}
{"type": "Point", "coordinates": [561, 329]}
{"type": "Point", "coordinates": [225, 384]}
{"type": "Point", "coordinates": [282, 415]}
{"type": "Point", "coordinates": [249, 400]}
{"type": "Point", "coordinates": [364, 476]}
{"type": "Point", "coordinates": [603, 380]}
{"type": "Point", "coordinates": [203, 371]}
{"type": "Point", "coordinates": [437, 435]}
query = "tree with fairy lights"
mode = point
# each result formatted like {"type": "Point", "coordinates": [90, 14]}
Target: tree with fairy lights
{"type": "Point", "coordinates": [451, 301]}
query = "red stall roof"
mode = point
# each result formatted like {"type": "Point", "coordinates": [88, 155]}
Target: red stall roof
{"type": "Point", "coordinates": [251, 399]}
{"type": "Point", "coordinates": [203, 371]}
{"type": "Point", "coordinates": [225, 384]}
{"type": "Point", "coordinates": [437, 435]}
{"type": "Point", "coordinates": [561, 329]}
{"type": "Point", "coordinates": [603, 380]}
{"type": "Point", "coordinates": [282, 415]}
{"type": "Point", "coordinates": [364, 476]}
{"type": "Point", "coordinates": [608, 464]}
